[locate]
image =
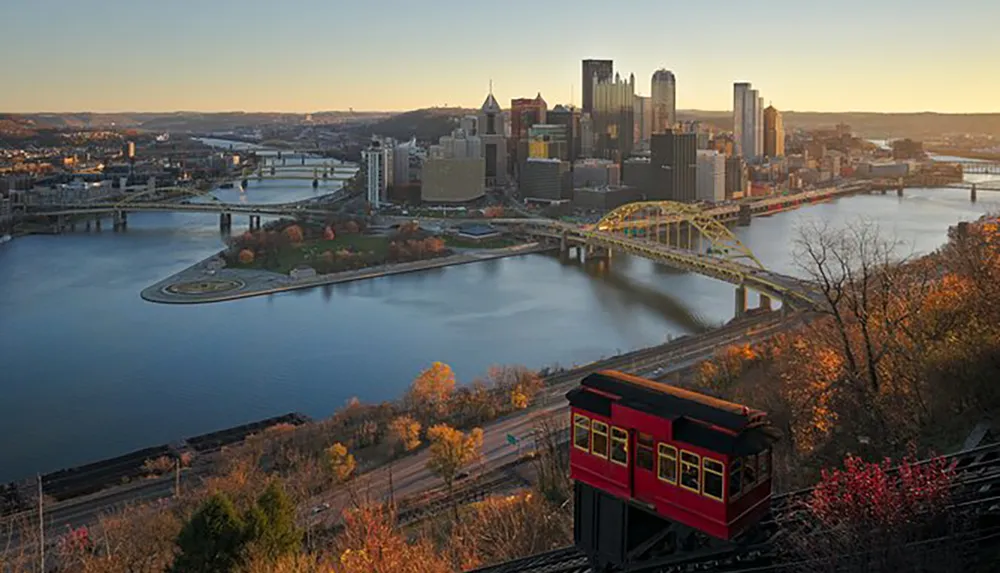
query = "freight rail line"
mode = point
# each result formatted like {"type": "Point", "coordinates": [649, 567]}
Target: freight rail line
{"type": "Point", "coordinates": [975, 490]}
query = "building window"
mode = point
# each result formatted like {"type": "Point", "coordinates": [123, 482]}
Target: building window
{"type": "Point", "coordinates": [668, 464]}
{"type": "Point", "coordinates": [714, 472]}
{"type": "Point", "coordinates": [749, 471]}
{"type": "Point", "coordinates": [581, 432]}
{"type": "Point", "coordinates": [735, 479]}
{"type": "Point", "coordinates": [644, 452]}
{"type": "Point", "coordinates": [619, 446]}
{"type": "Point", "coordinates": [491, 124]}
{"type": "Point", "coordinates": [691, 471]}
{"type": "Point", "coordinates": [764, 465]}
{"type": "Point", "coordinates": [599, 441]}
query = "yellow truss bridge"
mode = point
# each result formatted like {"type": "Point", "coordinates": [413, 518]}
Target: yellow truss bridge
{"type": "Point", "coordinates": [686, 238]}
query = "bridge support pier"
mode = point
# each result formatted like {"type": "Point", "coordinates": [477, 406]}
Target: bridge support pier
{"type": "Point", "coordinates": [765, 302]}
{"type": "Point", "coordinates": [899, 191]}
{"type": "Point", "coordinates": [245, 183]}
{"type": "Point", "coordinates": [120, 220]}
{"type": "Point", "coordinates": [563, 246]}
{"type": "Point", "coordinates": [972, 193]}
{"type": "Point", "coordinates": [225, 221]}
{"type": "Point", "coordinates": [97, 224]}
{"type": "Point", "coordinates": [741, 301]}
{"type": "Point", "coordinates": [315, 183]}
{"type": "Point", "coordinates": [745, 216]}
{"type": "Point", "coordinates": [254, 222]}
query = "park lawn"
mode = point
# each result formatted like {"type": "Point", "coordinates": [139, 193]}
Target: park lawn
{"type": "Point", "coordinates": [293, 256]}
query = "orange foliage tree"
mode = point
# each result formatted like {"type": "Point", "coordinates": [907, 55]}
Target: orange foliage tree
{"type": "Point", "coordinates": [294, 234]}
{"type": "Point", "coordinates": [328, 233]}
{"type": "Point", "coordinates": [429, 392]}
{"type": "Point", "coordinates": [246, 256]}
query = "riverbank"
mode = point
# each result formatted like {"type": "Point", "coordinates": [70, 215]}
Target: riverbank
{"type": "Point", "coordinates": [208, 281]}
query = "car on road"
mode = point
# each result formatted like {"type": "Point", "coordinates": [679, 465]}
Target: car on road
{"type": "Point", "coordinates": [320, 508]}
{"type": "Point", "coordinates": [461, 475]}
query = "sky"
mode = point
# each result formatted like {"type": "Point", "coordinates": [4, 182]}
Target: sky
{"type": "Point", "coordinates": [394, 55]}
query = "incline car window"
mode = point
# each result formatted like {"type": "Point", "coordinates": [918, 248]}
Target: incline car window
{"type": "Point", "coordinates": [735, 479]}
{"type": "Point", "coordinates": [712, 484]}
{"type": "Point", "coordinates": [690, 471]}
{"type": "Point", "coordinates": [668, 463]}
{"type": "Point", "coordinates": [581, 432]}
{"type": "Point", "coordinates": [644, 452]}
{"type": "Point", "coordinates": [749, 471]}
{"type": "Point", "coordinates": [599, 442]}
{"type": "Point", "coordinates": [619, 446]}
{"type": "Point", "coordinates": [764, 464]}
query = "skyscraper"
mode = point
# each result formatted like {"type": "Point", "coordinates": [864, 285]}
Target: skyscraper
{"type": "Point", "coordinates": [603, 70]}
{"type": "Point", "coordinates": [491, 131]}
{"type": "Point", "coordinates": [524, 113]}
{"type": "Point", "coordinates": [377, 171]}
{"type": "Point", "coordinates": [673, 164]}
{"type": "Point", "coordinates": [570, 118]}
{"type": "Point", "coordinates": [614, 117]}
{"type": "Point", "coordinates": [748, 128]}
{"type": "Point", "coordinates": [664, 99]}
{"type": "Point", "coordinates": [774, 133]}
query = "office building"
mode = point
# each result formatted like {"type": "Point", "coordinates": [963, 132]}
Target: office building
{"type": "Point", "coordinates": [547, 141]}
{"type": "Point", "coordinates": [129, 150]}
{"type": "Point", "coordinates": [407, 159]}
{"type": "Point", "coordinates": [378, 172]}
{"type": "Point", "coordinates": [491, 129]}
{"type": "Point", "coordinates": [604, 198]}
{"type": "Point", "coordinates": [524, 113]}
{"type": "Point", "coordinates": [596, 173]}
{"type": "Point", "coordinates": [455, 170]}
{"type": "Point", "coordinates": [586, 135]}
{"type": "Point", "coordinates": [546, 180]}
{"type": "Point", "coordinates": [643, 110]}
{"type": "Point", "coordinates": [614, 118]}
{"type": "Point", "coordinates": [664, 101]}
{"type": "Point", "coordinates": [568, 117]}
{"type": "Point", "coordinates": [711, 176]}
{"type": "Point", "coordinates": [774, 133]}
{"type": "Point", "coordinates": [673, 166]}
{"type": "Point", "coordinates": [737, 177]}
{"type": "Point", "coordinates": [748, 124]}
{"type": "Point", "coordinates": [600, 69]}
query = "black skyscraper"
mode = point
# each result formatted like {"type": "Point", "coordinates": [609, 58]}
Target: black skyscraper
{"type": "Point", "coordinates": [603, 69]}
{"type": "Point", "coordinates": [674, 164]}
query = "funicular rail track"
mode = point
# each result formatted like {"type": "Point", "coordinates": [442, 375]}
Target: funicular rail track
{"type": "Point", "coordinates": [975, 492]}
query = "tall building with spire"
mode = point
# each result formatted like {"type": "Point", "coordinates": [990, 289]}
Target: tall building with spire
{"type": "Point", "coordinates": [491, 132]}
{"type": "Point", "coordinates": [614, 117]}
{"type": "Point", "coordinates": [663, 93]}
{"type": "Point", "coordinates": [774, 133]}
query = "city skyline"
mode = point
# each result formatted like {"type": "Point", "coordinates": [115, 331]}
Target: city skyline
{"type": "Point", "coordinates": [117, 56]}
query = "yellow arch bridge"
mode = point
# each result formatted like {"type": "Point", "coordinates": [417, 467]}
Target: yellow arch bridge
{"type": "Point", "coordinates": [682, 236]}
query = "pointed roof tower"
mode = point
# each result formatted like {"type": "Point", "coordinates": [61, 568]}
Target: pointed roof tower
{"type": "Point", "coordinates": [491, 105]}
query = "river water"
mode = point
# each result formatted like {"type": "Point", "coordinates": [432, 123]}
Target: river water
{"type": "Point", "coordinates": [89, 370]}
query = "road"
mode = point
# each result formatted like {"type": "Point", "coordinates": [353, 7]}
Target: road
{"type": "Point", "coordinates": [410, 475]}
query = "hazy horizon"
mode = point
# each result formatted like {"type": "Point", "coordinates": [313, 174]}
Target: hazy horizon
{"type": "Point", "coordinates": [105, 56]}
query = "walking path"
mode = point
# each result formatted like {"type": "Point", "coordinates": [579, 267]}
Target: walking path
{"type": "Point", "coordinates": [210, 281]}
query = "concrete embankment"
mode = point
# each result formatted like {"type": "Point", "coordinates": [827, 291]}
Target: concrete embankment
{"type": "Point", "coordinates": [205, 282]}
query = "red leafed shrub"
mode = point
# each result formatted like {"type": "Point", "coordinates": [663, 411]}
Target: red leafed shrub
{"type": "Point", "coordinates": [328, 234]}
{"type": "Point", "coordinates": [868, 494]}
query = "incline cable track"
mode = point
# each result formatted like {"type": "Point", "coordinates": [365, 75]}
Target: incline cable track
{"type": "Point", "coordinates": [976, 484]}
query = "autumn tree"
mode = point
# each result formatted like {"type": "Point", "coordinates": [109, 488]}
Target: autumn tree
{"type": "Point", "coordinates": [372, 543]}
{"type": "Point", "coordinates": [428, 394]}
{"type": "Point", "coordinates": [875, 511]}
{"type": "Point", "coordinates": [294, 234]}
{"type": "Point", "coordinates": [246, 257]}
{"type": "Point", "coordinates": [405, 433]}
{"type": "Point", "coordinates": [341, 463]}
{"type": "Point", "coordinates": [328, 233]}
{"type": "Point", "coordinates": [450, 451]}
{"type": "Point", "coordinates": [212, 541]}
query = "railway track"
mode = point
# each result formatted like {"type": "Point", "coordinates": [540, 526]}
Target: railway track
{"type": "Point", "coordinates": [975, 491]}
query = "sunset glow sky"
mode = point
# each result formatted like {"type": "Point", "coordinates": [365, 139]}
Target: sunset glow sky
{"type": "Point", "coordinates": [312, 55]}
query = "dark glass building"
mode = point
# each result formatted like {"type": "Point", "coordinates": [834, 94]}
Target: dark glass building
{"type": "Point", "coordinates": [603, 69]}
{"type": "Point", "coordinates": [674, 164]}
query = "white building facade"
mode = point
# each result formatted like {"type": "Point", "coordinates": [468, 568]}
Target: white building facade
{"type": "Point", "coordinates": [378, 171]}
{"type": "Point", "coordinates": [748, 122]}
{"type": "Point", "coordinates": [710, 176]}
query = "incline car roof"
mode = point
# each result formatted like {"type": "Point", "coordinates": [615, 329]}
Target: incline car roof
{"type": "Point", "coordinates": [666, 400]}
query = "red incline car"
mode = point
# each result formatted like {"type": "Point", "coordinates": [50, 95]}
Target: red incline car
{"type": "Point", "coordinates": [647, 457]}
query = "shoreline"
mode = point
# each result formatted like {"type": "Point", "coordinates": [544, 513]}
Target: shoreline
{"type": "Point", "coordinates": [245, 283]}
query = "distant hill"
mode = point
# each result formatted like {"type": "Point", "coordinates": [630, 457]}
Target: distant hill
{"type": "Point", "coordinates": [871, 125]}
{"type": "Point", "coordinates": [427, 125]}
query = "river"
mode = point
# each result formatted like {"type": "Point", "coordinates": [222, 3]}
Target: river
{"type": "Point", "coordinates": [89, 370]}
